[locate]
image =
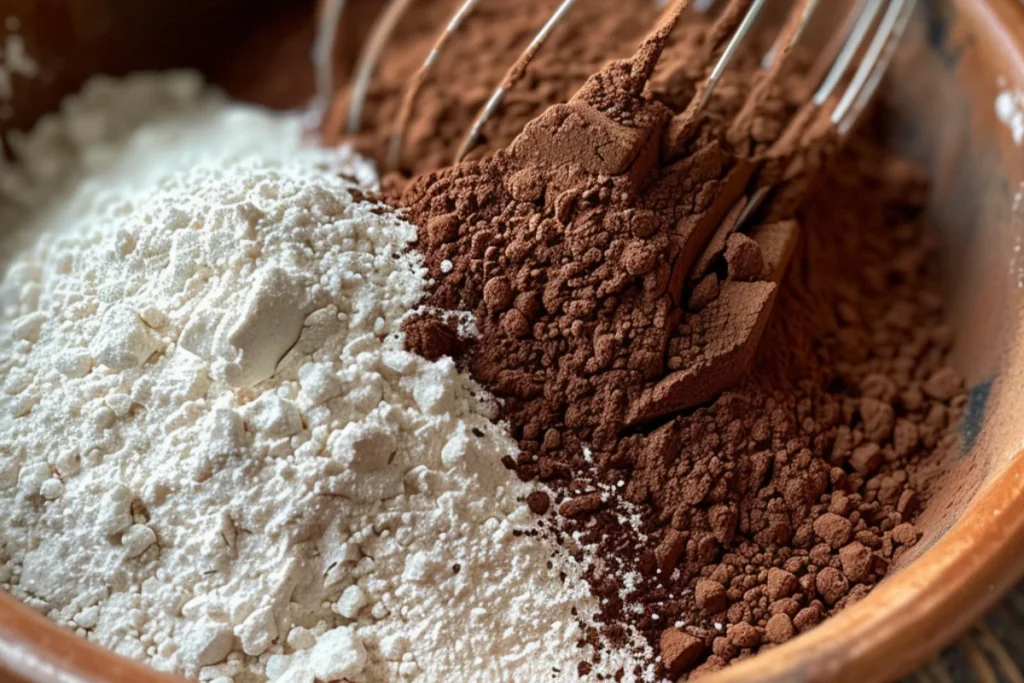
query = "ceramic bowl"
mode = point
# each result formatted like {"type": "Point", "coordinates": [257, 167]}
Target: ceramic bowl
{"type": "Point", "coordinates": [953, 105]}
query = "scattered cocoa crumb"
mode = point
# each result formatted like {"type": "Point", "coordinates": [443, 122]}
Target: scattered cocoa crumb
{"type": "Point", "coordinates": [679, 650]}
{"type": "Point", "coordinates": [779, 629]}
{"type": "Point", "coordinates": [575, 507]}
{"type": "Point", "coordinates": [539, 502]}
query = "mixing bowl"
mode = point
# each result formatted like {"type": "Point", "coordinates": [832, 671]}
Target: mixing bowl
{"type": "Point", "coordinates": [953, 105]}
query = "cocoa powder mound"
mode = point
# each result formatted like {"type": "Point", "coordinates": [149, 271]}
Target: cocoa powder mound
{"type": "Point", "coordinates": [789, 497]}
{"type": "Point", "coordinates": [736, 492]}
{"type": "Point", "coordinates": [580, 248]}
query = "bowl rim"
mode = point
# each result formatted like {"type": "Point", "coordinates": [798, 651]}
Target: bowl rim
{"type": "Point", "coordinates": [904, 621]}
{"type": "Point", "coordinates": [883, 637]}
{"type": "Point", "coordinates": [35, 649]}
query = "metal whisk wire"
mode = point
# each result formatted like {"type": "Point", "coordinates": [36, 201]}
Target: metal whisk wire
{"type": "Point", "coordinates": [874, 62]}
{"type": "Point", "coordinates": [512, 76]}
{"type": "Point", "coordinates": [862, 23]}
{"type": "Point", "coordinates": [731, 50]}
{"type": "Point", "coordinates": [865, 15]}
{"type": "Point", "coordinates": [518, 70]}
{"type": "Point", "coordinates": [872, 69]}
{"type": "Point", "coordinates": [401, 124]}
{"type": "Point", "coordinates": [369, 57]}
{"type": "Point", "coordinates": [323, 49]}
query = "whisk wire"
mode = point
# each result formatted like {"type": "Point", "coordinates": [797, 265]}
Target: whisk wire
{"type": "Point", "coordinates": [881, 66]}
{"type": "Point", "coordinates": [870, 60]}
{"type": "Point", "coordinates": [731, 50]}
{"type": "Point", "coordinates": [513, 75]}
{"type": "Point", "coordinates": [861, 88]}
{"type": "Point", "coordinates": [323, 49]}
{"type": "Point", "coordinates": [369, 57]}
{"type": "Point", "coordinates": [394, 158]}
{"type": "Point", "coordinates": [782, 41]}
{"type": "Point", "coordinates": [866, 14]}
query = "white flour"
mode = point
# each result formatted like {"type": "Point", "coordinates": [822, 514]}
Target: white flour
{"type": "Point", "coordinates": [1010, 111]}
{"type": "Point", "coordinates": [215, 455]}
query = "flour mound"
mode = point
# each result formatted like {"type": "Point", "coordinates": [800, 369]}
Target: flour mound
{"type": "Point", "coordinates": [215, 454]}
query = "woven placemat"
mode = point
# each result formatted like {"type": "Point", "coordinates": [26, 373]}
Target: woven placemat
{"type": "Point", "coordinates": [991, 652]}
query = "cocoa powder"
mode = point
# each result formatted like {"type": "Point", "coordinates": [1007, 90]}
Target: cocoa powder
{"type": "Point", "coordinates": [619, 305]}
{"type": "Point", "coordinates": [474, 63]}
{"type": "Point", "coordinates": [582, 209]}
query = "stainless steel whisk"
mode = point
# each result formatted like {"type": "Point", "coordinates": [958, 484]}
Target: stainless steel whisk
{"type": "Point", "coordinates": [853, 62]}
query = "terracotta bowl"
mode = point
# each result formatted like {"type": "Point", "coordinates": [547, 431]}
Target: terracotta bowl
{"type": "Point", "coordinates": [959, 57]}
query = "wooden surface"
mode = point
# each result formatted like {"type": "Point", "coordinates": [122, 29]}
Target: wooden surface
{"type": "Point", "coordinates": [992, 651]}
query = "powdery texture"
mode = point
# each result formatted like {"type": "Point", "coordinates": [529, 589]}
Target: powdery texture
{"type": "Point", "coordinates": [620, 307]}
{"type": "Point", "coordinates": [474, 63]}
{"type": "Point", "coordinates": [216, 455]}
{"type": "Point", "coordinates": [478, 56]}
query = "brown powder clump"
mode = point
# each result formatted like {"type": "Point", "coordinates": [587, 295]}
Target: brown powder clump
{"type": "Point", "coordinates": [744, 491]}
{"type": "Point", "coordinates": [595, 240]}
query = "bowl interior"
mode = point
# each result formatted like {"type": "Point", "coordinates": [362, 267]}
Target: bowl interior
{"type": "Point", "coordinates": [941, 111]}
{"type": "Point", "coordinates": [960, 57]}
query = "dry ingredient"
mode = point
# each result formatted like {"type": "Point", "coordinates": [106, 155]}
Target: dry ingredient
{"type": "Point", "coordinates": [613, 289]}
{"type": "Point", "coordinates": [474, 62]}
{"type": "Point", "coordinates": [1009, 106]}
{"type": "Point", "coordinates": [709, 525]}
{"type": "Point", "coordinates": [477, 58]}
{"type": "Point", "coordinates": [208, 417]}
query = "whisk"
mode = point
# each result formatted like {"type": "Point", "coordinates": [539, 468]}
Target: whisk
{"type": "Point", "coordinates": [854, 62]}
{"type": "Point", "coordinates": [842, 81]}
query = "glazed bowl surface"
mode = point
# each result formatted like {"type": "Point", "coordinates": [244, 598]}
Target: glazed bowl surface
{"type": "Point", "coordinates": [950, 105]}
{"type": "Point", "coordinates": [955, 103]}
